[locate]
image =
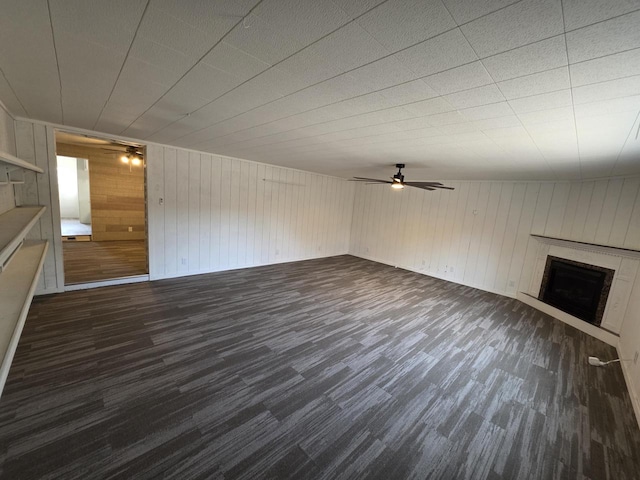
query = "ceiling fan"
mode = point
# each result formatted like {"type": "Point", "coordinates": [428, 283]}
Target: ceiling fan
{"type": "Point", "coordinates": [397, 181]}
{"type": "Point", "coordinates": [131, 156]}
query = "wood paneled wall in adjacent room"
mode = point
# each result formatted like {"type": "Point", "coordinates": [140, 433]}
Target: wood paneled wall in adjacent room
{"type": "Point", "coordinates": [210, 213]}
{"type": "Point", "coordinates": [117, 194]}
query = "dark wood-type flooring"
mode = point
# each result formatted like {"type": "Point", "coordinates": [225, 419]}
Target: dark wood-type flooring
{"type": "Point", "coordinates": [325, 369]}
{"type": "Point", "coordinates": [93, 261]}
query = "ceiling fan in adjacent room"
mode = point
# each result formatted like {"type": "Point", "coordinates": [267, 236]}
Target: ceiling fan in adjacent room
{"type": "Point", "coordinates": [397, 181]}
{"type": "Point", "coordinates": [132, 155]}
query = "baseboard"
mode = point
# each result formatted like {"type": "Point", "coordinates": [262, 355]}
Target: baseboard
{"type": "Point", "coordinates": [434, 275]}
{"type": "Point", "coordinates": [628, 378]}
{"type": "Point", "coordinates": [107, 283]}
{"type": "Point", "coordinates": [189, 273]}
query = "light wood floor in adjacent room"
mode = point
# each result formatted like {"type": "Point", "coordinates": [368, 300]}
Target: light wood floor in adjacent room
{"type": "Point", "coordinates": [93, 261]}
{"type": "Point", "coordinates": [336, 368]}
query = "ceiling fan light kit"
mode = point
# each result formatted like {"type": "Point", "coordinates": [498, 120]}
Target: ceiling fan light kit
{"type": "Point", "coordinates": [397, 181]}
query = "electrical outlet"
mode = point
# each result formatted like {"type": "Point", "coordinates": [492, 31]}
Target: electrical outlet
{"type": "Point", "coordinates": [635, 358]}
{"type": "Point", "coordinates": [131, 229]}
{"type": "Point", "coordinates": [512, 283]}
{"type": "Point", "coordinates": [184, 261]}
{"type": "Point", "coordinates": [277, 251]}
{"type": "Point", "coordinates": [451, 269]}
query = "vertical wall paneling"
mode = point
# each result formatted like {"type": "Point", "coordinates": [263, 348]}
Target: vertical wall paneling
{"type": "Point", "coordinates": [155, 210]}
{"type": "Point", "coordinates": [594, 211]}
{"type": "Point", "coordinates": [622, 218]}
{"type": "Point", "coordinates": [192, 232]}
{"type": "Point", "coordinates": [205, 214]}
{"type": "Point", "coordinates": [608, 211]}
{"type": "Point", "coordinates": [480, 233]}
{"type": "Point", "coordinates": [582, 210]}
{"type": "Point", "coordinates": [170, 213]}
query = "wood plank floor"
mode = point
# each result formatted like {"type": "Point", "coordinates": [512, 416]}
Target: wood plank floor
{"type": "Point", "coordinates": [325, 369]}
{"type": "Point", "coordinates": [93, 261]}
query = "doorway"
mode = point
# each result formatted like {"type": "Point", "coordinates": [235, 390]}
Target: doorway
{"type": "Point", "coordinates": [102, 209]}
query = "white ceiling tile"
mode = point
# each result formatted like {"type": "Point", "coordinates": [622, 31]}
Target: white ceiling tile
{"type": "Point", "coordinates": [622, 87]}
{"type": "Point", "coordinates": [306, 21]}
{"type": "Point", "coordinates": [514, 26]}
{"type": "Point", "coordinates": [446, 118]}
{"type": "Point", "coordinates": [609, 106]}
{"type": "Point", "coordinates": [355, 8]}
{"type": "Point", "coordinates": [441, 53]}
{"type": "Point", "coordinates": [9, 98]}
{"type": "Point", "coordinates": [500, 109]}
{"type": "Point", "coordinates": [383, 73]}
{"type": "Point", "coordinates": [234, 61]}
{"type": "Point", "coordinates": [501, 122]}
{"type": "Point", "coordinates": [429, 107]}
{"type": "Point", "coordinates": [460, 78]}
{"type": "Point", "coordinates": [537, 57]}
{"type": "Point", "coordinates": [206, 82]}
{"type": "Point", "coordinates": [464, 11]}
{"type": "Point", "coordinates": [213, 16]}
{"type": "Point", "coordinates": [623, 64]}
{"type": "Point", "coordinates": [410, 92]}
{"type": "Point", "coordinates": [398, 24]}
{"type": "Point", "coordinates": [164, 28]}
{"type": "Point", "coordinates": [542, 116]}
{"type": "Point", "coordinates": [475, 97]}
{"type": "Point", "coordinates": [111, 24]}
{"type": "Point", "coordinates": [579, 13]}
{"type": "Point", "coordinates": [604, 38]}
{"type": "Point", "coordinates": [35, 82]}
{"type": "Point", "coordinates": [263, 41]}
{"type": "Point", "coordinates": [346, 49]}
{"type": "Point", "coordinates": [544, 101]}
{"type": "Point", "coordinates": [543, 82]}
{"type": "Point", "coordinates": [164, 64]}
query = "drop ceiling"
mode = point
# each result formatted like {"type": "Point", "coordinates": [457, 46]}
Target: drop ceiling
{"type": "Point", "coordinates": [455, 89]}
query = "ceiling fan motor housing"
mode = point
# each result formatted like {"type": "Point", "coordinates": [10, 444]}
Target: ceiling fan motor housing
{"type": "Point", "coordinates": [398, 177]}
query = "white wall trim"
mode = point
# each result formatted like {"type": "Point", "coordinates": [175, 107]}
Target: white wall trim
{"type": "Point", "coordinates": [635, 401]}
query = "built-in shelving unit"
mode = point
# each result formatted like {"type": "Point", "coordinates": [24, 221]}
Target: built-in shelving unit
{"type": "Point", "coordinates": [20, 262]}
{"type": "Point", "coordinates": [17, 285]}
{"type": "Point", "coordinates": [14, 226]}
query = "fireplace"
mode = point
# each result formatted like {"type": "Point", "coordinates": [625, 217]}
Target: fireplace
{"type": "Point", "coordinates": [578, 289]}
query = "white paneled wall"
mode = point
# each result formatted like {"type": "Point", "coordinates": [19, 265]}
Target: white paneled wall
{"type": "Point", "coordinates": [209, 213]}
{"type": "Point", "coordinates": [7, 144]}
{"type": "Point", "coordinates": [35, 143]}
{"type": "Point", "coordinates": [479, 234]}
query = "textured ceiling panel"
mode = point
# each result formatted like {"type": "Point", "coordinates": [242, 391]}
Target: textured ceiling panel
{"type": "Point", "coordinates": [530, 89]}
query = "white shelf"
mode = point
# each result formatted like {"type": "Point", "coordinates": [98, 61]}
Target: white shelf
{"type": "Point", "coordinates": [11, 162]}
{"type": "Point", "coordinates": [17, 284]}
{"type": "Point", "coordinates": [14, 226]}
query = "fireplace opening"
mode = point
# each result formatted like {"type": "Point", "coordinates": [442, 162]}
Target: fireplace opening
{"type": "Point", "coordinates": [576, 288]}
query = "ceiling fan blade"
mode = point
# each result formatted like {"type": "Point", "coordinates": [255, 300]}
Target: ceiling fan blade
{"type": "Point", "coordinates": [423, 187]}
{"type": "Point", "coordinates": [428, 184]}
{"type": "Point", "coordinates": [362, 179]}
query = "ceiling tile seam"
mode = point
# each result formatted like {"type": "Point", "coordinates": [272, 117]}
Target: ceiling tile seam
{"type": "Point", "coordinates": [509, 104]}
{"type": "Point", "coordinates": [602, 21]}
{"type": "Point", "coordinates": [573, 106]}
{"type": "Point", "coordinates": [631, 130]}
{"type": "Point", "coordinates": [364, 94]}
{"type": "Point", "coordinates": [14, 93]}
{"type": "Point", "coordinates": [194, 65]}
{"type": "Point", "coordinates": [55, 51]}
{"type": "Point", "coordinates": [353, 20]}
{"type": "Point", "coordinates": [124, 62]}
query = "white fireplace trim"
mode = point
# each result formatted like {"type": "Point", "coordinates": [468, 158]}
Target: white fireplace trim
{"type": "Point", "coordinates": [625, 263]}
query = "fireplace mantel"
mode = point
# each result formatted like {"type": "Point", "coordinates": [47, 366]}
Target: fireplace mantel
{"type": "Point", "coordinates": [625, 263]}
{"type": "Point", "coordinates": [589, 247]}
